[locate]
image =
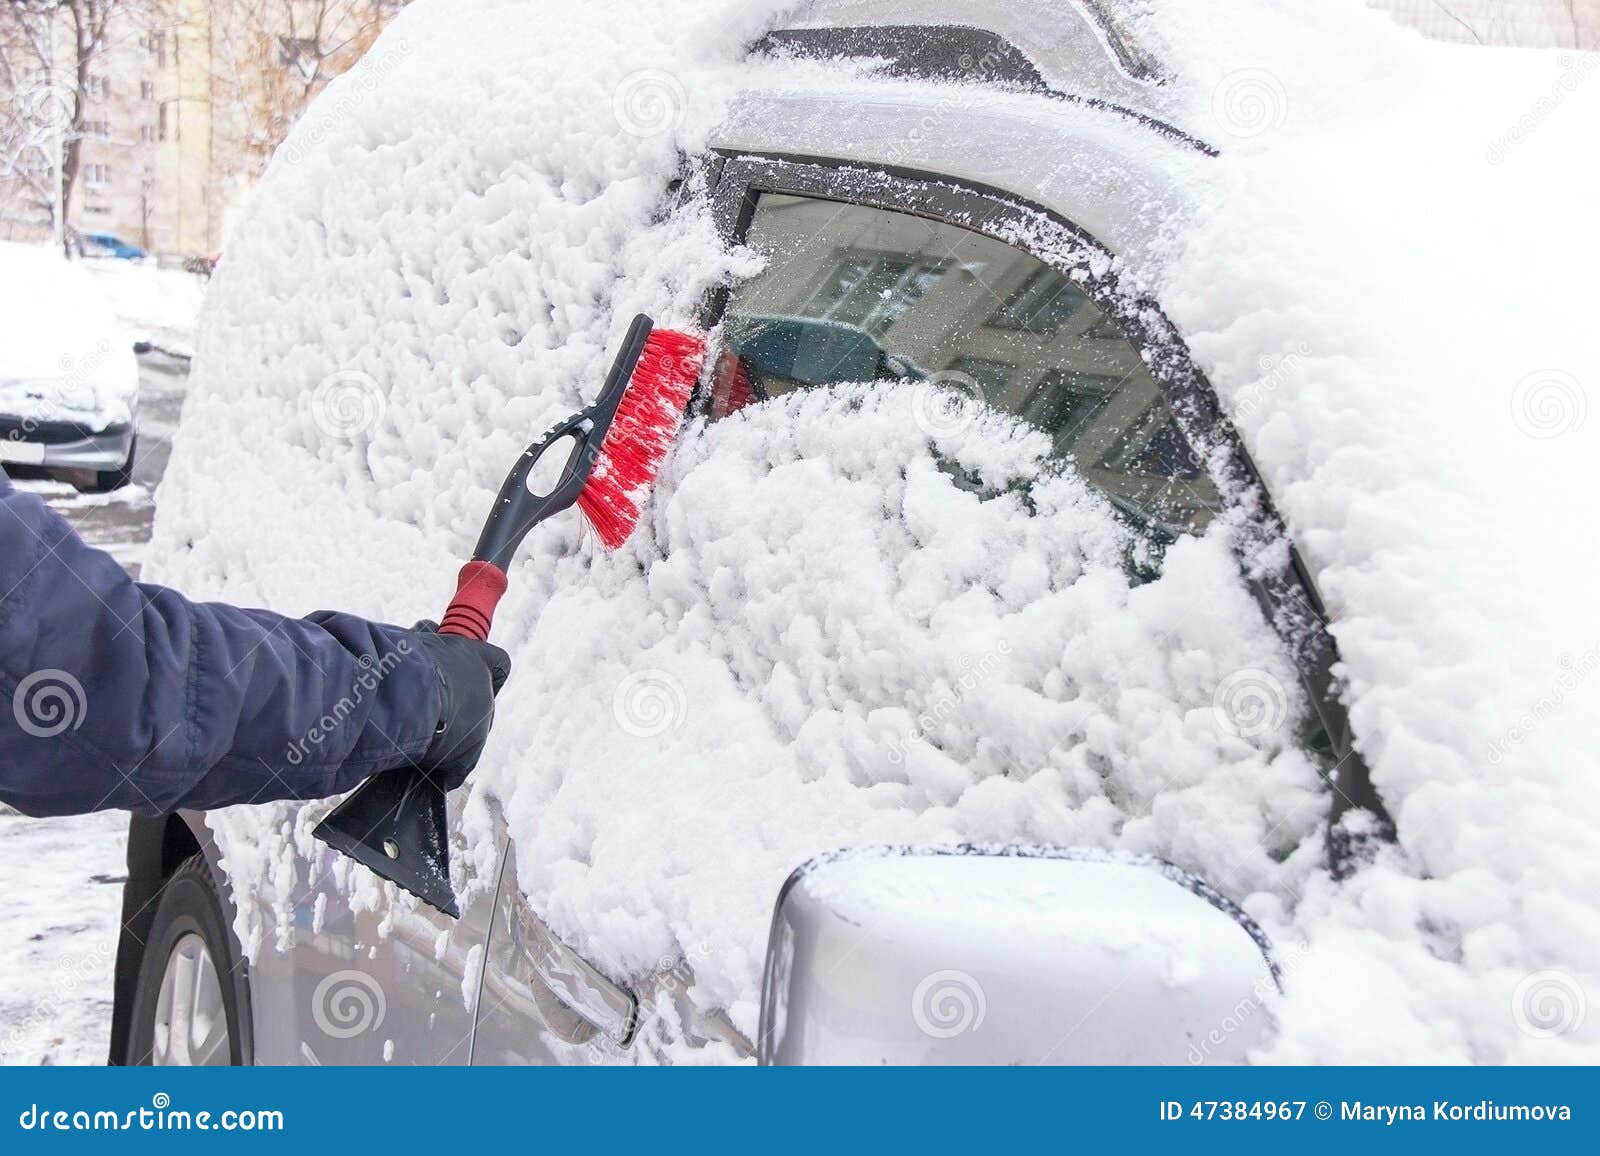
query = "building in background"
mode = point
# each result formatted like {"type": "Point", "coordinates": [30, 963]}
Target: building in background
{"type": "Point", "coordinates": [169, 109]}
{"type": "Point", "coordinates": [1523, 23]}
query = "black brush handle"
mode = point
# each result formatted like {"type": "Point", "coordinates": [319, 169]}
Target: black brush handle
{"type": "Point", "coordinates": [519, 509]}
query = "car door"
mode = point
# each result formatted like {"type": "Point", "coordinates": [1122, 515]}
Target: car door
{"type": "Point", "coordinates": [879, 274]}
{"type": "Point", "coordinates": [544, 1003]}
{"type": "Point", "coordinates": [884, 277]}
{"type": "Point", "coordinates": [396, 982]}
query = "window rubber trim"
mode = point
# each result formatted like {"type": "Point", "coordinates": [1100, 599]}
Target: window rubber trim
{"type": "Point", "coordinates": [735, 180]}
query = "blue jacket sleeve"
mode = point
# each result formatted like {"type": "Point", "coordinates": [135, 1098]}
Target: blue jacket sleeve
{"type": "Point", "coordinates": [116, 694]}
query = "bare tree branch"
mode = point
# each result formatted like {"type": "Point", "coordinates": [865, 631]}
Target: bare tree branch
{"type": "Point", "coordinates": [272, 57]}
{"type": "Point", "coordinates": [1471, 31]}
{"type": "Point", "coordinates": [48, 50]}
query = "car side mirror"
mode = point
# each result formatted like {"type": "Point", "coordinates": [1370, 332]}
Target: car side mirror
{"type": "Point", "coordinates": [142, 347]}
{"type": "Point", "coordinates": [1001, 955]}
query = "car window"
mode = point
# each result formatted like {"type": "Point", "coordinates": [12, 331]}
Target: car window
{"type": "Point", "coordinates": [854, 293]}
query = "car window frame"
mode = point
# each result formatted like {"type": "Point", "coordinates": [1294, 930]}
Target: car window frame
{"type": "Point", "coordinates": [733, 182]}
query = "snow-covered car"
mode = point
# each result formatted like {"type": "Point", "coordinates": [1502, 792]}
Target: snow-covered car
{"type": "Point", "coordinates": [69, 382]}
{"type": "Point", "coordinates": [1072, 627]}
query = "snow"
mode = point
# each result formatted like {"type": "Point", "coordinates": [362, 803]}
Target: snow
{"type": "Point", "coordinates": [833, 659]}
{"type": "Point", "coordinates": [155, 304]}
{"type": "Point", "coordinates": [1430, 449]}
{"type": "Point", "coordinates": [60, 914]}
{"type": "Point", "coordinates": [64, 356]}
{"type": "Point", "coordinates": [816, 640]}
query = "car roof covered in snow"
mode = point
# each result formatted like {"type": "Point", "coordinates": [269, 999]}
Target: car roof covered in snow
{"type": "Point", "coordinates": [1065, 112]}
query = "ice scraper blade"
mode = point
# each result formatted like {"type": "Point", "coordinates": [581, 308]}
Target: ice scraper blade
{"type": "Point", "coordinates": [396, 826]}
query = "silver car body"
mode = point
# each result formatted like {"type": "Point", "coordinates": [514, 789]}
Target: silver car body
{"type": "Point", "coordinates": [498, 986]}
{"type": "Point", "coordinates": [101, 452]}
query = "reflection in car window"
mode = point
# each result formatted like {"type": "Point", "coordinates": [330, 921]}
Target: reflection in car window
{"type": "Point", "coordinates": [852, 293]}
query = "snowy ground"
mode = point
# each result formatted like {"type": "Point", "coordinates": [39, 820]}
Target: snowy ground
{"type": "Point", "coordinates": [59, 907]}
{"type": "Point", "coordinates": [61, 879]}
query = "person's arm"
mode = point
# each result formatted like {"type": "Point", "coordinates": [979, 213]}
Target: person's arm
{"type": "Point", "coordinates": [115, 694]}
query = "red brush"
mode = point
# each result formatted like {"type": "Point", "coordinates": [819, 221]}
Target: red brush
{"type": "Point", "coordinates": [643, 430]}
{"type": "Point", "coordinates": [613, 452]}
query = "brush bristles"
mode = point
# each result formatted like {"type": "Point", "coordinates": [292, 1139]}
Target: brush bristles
{"type": "Point", "coordinates": [642, 432]}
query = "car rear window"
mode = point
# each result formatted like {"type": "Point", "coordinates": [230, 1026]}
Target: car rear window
{"type": "Point", "coordinates": [852, 293]}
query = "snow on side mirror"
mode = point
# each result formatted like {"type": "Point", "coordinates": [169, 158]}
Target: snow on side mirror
{"type": "Point", "coordinates": [994, 955]}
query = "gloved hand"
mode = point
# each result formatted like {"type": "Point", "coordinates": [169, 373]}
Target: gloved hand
{"type": "Point", "coordinates": [471, 673]}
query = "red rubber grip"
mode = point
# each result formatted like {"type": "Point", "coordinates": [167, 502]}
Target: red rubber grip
{"type": "Point", "coordinates": [478, 591]}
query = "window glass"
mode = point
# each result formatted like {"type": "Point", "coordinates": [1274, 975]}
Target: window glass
{"type": "Point", "coordinates": [852, 293]}
{"type": "Point", "coordinates": [1040, 304]}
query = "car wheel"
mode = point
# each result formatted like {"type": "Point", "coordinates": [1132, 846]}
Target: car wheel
{"type": "Point", "coordinates": [105, 481]}
{"type": "Point", "coordinates": [186, 1007]}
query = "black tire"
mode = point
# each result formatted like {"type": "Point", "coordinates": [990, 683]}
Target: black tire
{"type": "Point", "coordinates": [189, 905]}
{"type": "Point", "coordinates": [107, 481]}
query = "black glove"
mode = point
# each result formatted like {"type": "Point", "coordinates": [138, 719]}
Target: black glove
{"type": "Point", "coordinates": [471, 673]}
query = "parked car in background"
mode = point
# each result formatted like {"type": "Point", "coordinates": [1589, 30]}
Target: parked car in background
{"type": "Point", "coordinates": [69, 382]}
{"type": "Point", "coordinates": [110, 245]}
